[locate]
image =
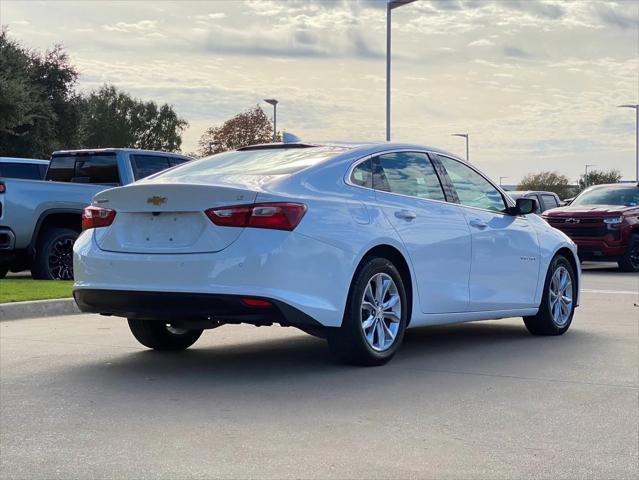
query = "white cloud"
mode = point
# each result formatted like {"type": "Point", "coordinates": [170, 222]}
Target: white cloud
{"type": "Point", "coordinates": [484, 42]}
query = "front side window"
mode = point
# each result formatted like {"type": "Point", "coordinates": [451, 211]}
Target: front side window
{"type": "Point", "coordinates": [407, 173]}
{"type": "Point", "coordinates": [549, 202]}
{"type": "Point", "coordinates": [145, 165]}
{"type": "Point", "coordinates": [472, 189]}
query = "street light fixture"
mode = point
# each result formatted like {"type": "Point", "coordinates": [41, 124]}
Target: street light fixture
{"type": "Point", "coordinates": [636, 107]}
{"type": "Point", "coordinates": [586, 177]}
{"type": "Point", "coordinates": [463, 135]}
{"type": "Point", "coordinates": [390, 5]}
{"type": "Point", "coordinates": [273, 102]}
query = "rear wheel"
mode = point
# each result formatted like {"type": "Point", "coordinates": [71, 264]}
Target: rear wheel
{"type": "Point", "coordinates": [630, 260]}
{"type": "Point", "coordinates": [558, 301]}
{"type": "Point", "coordinates": [54, 255]}
{"type": "Point", "coordinates": [4, 271]}
{"type": "Point", "coordinates": [375, 317]}
{"type": "Point", "coordinates": [159, 335]}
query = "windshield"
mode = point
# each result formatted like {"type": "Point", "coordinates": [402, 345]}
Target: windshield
{"type": "Point", "coordinates": [280, 161]}
{"type": "Point", "coordinates": [624, 196]}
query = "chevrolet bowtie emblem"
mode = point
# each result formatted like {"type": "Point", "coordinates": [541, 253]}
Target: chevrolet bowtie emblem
{"type": "Point", "coordinates": [155, 200]}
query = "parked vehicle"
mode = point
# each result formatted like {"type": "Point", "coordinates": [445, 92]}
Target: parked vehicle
{"type": "Point", "coordinates": [604, 223]}
{"type": "Point", "coordinates": [352, 243]}
{"type": "Point", "coordinates": [545, 200]}
{"type": "Point", "coordinates": [30, 168]}
{"type": "Point", "coordinates": [40, 220]}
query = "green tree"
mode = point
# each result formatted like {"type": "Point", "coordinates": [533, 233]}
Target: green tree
{"type": "Point", "coordinates": [112, 118]}
{"type": "Point", "coordinates": [597, 177]}
{"type": "Point", "coordinates": [39, 109]}
{"type": "Point", "coordinates": [246, 128]}
{"type": "Point", "coordinates": [546, 181]}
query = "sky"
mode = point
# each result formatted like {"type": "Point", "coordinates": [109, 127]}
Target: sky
{"type": "Point", "coordinates": [534, 83]}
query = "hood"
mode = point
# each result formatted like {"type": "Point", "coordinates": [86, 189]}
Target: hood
{"type": "Point", "coordinates": [589, 210]}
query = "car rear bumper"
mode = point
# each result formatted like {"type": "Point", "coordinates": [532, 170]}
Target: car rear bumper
{"type": "Point", "coordinates": [189, 306]}
{"type": "Point", "coordinates": [285, 267]}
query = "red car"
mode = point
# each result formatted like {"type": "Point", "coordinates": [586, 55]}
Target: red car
{"type": "Point", "coordinates": [604, 223]}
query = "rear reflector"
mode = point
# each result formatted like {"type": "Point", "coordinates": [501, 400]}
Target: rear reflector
{"type": "Point", "coordinates": [95, 217]}
{"type": "Point", "coordinates": [256, 302]}
{"type": "Point", "coordinates": [2, 188]}
{"type": "Point", "coordinates": [276, 216]}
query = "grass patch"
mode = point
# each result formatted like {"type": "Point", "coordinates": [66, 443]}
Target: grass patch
{"type": "Point", "coordinates": [22, 289]}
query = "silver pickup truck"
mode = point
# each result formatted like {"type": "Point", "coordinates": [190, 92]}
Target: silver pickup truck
{"type": "Point", "coordinates": [40, 219]}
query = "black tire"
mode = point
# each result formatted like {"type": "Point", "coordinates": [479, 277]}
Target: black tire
{"type": "Point", "coordinates": [54, 255]}
{"type": "Point", "coordinates": [156, 334]}
{"type": "Point", "coordinates": [348, 343]}
{"type": "Point", "coordinates": [630, 260]}
{"type": "Point", "coordinates": [544, 323]}
{"type": "Point", "coordinates": [4, 271]}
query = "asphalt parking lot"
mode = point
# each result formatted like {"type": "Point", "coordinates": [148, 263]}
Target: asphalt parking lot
{"type": "Point", "coordinates": [79, 398]}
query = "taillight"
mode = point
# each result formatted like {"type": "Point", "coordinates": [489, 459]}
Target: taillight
{"type": "Point", "coordinates": [277, 216]}
{"type": "Point", "coordinates": [2, 188]}
{"type": "Point", "coordinates": [94, 217]}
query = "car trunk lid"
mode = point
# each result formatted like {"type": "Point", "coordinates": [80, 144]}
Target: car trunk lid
{"type": "Point", "coordinates": [168, 218]}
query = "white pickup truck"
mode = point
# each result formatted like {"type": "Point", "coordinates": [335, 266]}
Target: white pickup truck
{"type": "Point", "coordinates": [40, 219]}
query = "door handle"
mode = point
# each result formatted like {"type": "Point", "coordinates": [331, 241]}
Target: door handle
{"type": "Point", "coordinates": [405, 214]}
{"type": "Point", "coordinates": [477, 223]}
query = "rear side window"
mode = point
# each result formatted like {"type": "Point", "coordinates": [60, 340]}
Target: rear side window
{"type": "Point", "coordinates": [173, 161]}
{"type": "Point", "coordinates": [408, 173]}
{"type": "Point", "coordinates": [21, 170]}
{"type": "Point", "coordinates": [99, 168]}
{"type": "Point", "coordinates": [549, 202]}
{"type": "Point", "coordinates": [145, 165]}
{"type": "Point", "coordinates": [472, 189]}
{"type": "Point", "coordinates": [362, 174]}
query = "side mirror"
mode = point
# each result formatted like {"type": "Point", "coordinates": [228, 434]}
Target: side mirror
{"type": "Point", "coordinates": [523, 206]}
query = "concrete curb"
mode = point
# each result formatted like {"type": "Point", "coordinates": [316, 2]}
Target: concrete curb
{"type": "Point", "coordinates": [37, 308]}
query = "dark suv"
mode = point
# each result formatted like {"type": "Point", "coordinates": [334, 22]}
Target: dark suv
{"type": "Point", "coordinates": [604, 223]}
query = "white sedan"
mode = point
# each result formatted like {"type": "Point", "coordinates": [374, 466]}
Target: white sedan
{"type": "Point", "coordinates": [354, 243]}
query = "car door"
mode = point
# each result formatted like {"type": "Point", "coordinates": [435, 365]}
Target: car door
{"type": "Point", "coordinates": [505, 249]}
{"type": "Point", "coordinates": [433, 230]}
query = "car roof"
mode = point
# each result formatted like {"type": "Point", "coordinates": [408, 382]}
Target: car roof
{"type": "Point", "coordinates": [36, 161]}
{"type": "Point", "coordinates": [529, 192]}
{"type": "Point", "coordinates": [115, 150]}
{"type": "Point", "coordinates": [614, 185]}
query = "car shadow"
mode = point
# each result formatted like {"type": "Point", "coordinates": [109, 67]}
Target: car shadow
{"type": "Point", "coordinates": [303, 364]}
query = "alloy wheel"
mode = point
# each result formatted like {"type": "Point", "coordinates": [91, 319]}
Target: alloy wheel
{"type": "Point", "coordinates": [60, 259]}
{"type": "Point", "coordinates": [381, 312]}
{"type": "Point", "coordinates": [561, 296]}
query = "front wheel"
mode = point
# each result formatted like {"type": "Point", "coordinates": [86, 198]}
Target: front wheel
{"type": "Point", "coordinates": [558, 301]}
{"type": "Point", "coordinates": [375, 317]}
{"type": "Point", "coordinates": [159, 335]}
{"type": "Point", "coordinates": [630, 260]}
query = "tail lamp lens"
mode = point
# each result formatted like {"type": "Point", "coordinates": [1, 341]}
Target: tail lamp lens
{"type": "Point", "coordinates": [95, 217]}
{"type": "Point", "coordinates": [275, 216]}
{"type": "Point", "coordinates": [2, 188]}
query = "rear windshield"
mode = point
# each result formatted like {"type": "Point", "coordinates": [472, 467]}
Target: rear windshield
{"type": "Point", "coordinates": [280, 161]}
{"type": "Point", "coordinates": [628, 196]}
{"type": "Point", "coordinates": [99, 168]}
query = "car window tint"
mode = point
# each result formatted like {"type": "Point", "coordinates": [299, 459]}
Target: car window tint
{"type": "Point", "coordinates": [145, 165]}
{"type": "Point", "coordinates": [20, 170]}
{"type": "Point", "coordinates": [362, 174]}
{"type": "Point", "coordinates": [173, 161]}
{"type": "Point", "coordinates": [409, 173]}
{"type": "Point", "coordinates": [549, 201]}
{"type": "Point", "coordinates": [472, 189]}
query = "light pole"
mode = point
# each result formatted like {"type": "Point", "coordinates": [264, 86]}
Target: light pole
{"type": "Point", "coordinates": [500, 179]}
{"type": "Point", "coordinates": [463, 135]}
{"type": "Point", "coordinates": [586, 177]}
{"type": "Point", "coordinates": [390, 5]}
{"type": "Point", "coordinates": [636, 107]}
{"type": "Point", "coordinates": [273, 102]}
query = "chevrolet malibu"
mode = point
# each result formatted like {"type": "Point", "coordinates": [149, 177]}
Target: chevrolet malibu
{"type": "Point", "coordinates": [352, 243]}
